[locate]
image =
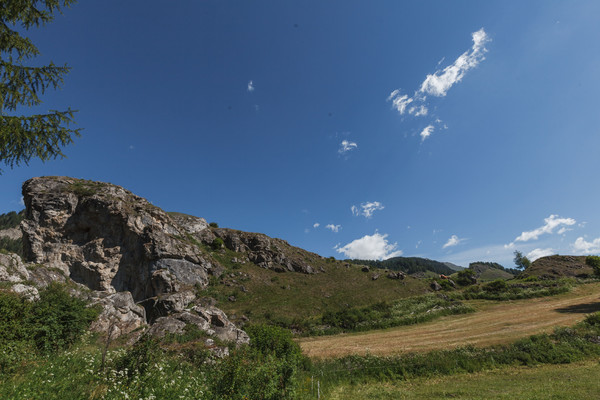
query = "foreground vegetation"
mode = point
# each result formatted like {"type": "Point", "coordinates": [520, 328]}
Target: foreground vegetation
{"type": "Point", "coordinates": [64, 362]}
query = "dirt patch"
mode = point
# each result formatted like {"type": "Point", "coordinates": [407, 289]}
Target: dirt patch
{"type": "Point", "coordinates": [493, 323]}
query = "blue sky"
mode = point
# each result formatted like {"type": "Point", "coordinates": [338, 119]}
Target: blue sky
{"type": "Point", "coordinates": [458, 131]}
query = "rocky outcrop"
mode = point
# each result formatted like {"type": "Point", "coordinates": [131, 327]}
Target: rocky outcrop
{"type": "Point", "coordinates": [210, 320]}
{"type": "Point", "coordinates": [12, 269]}
{"type": "Point", "coordinates": [396, 275]}
{"type": "Point", "coordinates": [266, 252]}
{"type": "Point", "coordinates": [109, 239]}
{"type": "Point", "coordinates": [120, 315]}
{"type": "Point", "coordinates": [143, 265]}
{"type": "Point", "coordinates": [11, 233]}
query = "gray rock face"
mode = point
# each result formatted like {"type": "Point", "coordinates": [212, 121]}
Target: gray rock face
{"type": "Point", "coordinates": [107, 238]}
{"type": "Point", "coordinates": [11, 233]}
{"type": "Point", "coordinates": [125, 250]}
{"type": "Point", "coordinates": [266, 252]}
{"type": "Point", "coordinates": [12, 268]}
{"type": "Point", "coordinates": [120, 314]}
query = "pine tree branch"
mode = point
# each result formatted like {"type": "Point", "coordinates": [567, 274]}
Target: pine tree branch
{"type": "Point", "coordinates": [40, 136]}
{"type": "Point", "coordinates": [21, 85]}
{"type": "Point", "coordinates": [11, 41]}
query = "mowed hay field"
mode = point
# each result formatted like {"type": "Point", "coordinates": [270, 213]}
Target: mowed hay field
{"type": "Point", "coordinates": [493, 323]}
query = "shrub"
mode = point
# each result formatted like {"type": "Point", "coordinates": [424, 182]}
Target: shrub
{"type": "Point", "coordinates": [8, 245]}
{"type": "Point", "coordinates": [213, 225]}
{"type": "Point", "coordinates": [593, 320]}
{"type": "Point", "coordinates": [594, 262]}
{"type": "Point", "coordinates": [217, 243]}
{"type": "Point", "coordinates": [267, 369]}
{"type": "Point", "coordinates": [466, 277]}
{"type": "Point", "coordinates": [499, 285]}
{"type": "Point", "coordinates": [58, 319]}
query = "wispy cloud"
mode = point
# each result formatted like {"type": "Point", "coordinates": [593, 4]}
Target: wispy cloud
{"type": "Point", "coordinates": [453, 241]}
{"type": "Point", "coordinates": [334, 228]}
{"type": "Point", "coordinates": [425, 133]}
{"type": "Point", "coordinates": [367, 209]}
{"type": "Point", "coordinates": [440, 82]}
{"type": "Point", "coordinates": [539, 253]}
{"type": "Point", "coordinates": [346, 146]}
{"type": "Point", "coordinates": [316, 225]}
{"type": "Point", "coordinates": [581, 246]}
{"type": "Point", "coordinates": [250, 86]}
{"type": "Point", "coordinates": [370, 247]}
{"type": "Point", "coordinates": [550, 224]}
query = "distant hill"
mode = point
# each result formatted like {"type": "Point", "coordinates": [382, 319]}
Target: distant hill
{"type": "Point", "coordinates": [490, 271]}
{"type": "Point", "coordinates": [559, 266]}
{"type": "Point", "coordinates": [409, 265]}
{"type": "Point", "coordinates": [453, 266]}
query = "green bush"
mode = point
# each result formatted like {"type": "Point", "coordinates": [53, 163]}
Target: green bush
{"type": "Point", "coordinates": [8, 245]}
{"type": "Point", "coordinates": [54, 322]}
{"type": "Point", "coordinates": [267, 369]}
{"type": "Point", "coordinates": [58, 319]}
{"type": "Point", "coordinates": [217, 243]}
{"type": "Point", "coordinates": [594, 262]}
{"type": "Point", "coordinates": [593, 320]}
{"type": "Point", "coordinates": [466, 277]}
{"type": "Point", "coordinates": [499, 285]}
{"type": "Point", "coordinates": [213, 225]}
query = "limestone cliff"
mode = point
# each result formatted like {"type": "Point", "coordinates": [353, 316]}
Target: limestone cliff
{"type": "Point", "coordinates": [143, 265]}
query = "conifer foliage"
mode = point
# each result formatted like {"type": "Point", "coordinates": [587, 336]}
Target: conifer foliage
{"type": "Point", "coordinates": [23, 137]}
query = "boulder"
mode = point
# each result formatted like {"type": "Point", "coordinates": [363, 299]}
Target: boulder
{"type": "Point", "coordinates": [120, 315]}
{"type": "Point", "coordinates": [12, 268]}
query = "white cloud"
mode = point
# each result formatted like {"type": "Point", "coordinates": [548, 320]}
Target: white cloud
{"type": "Point", "coordinates": [250, 86]}
{"type": "Point", "coordinates": [334, 228]}
{"type": "Point", "coordinates": [22, 201]}
{"type": "Point", "coordinates": [453, 241]}
{"type": "Point", "coordinates": [374, 247]}
{"type": "Point", "coordinates": [581, 246]}
{"type": "Point", "coordinates": [368, 208]}
{"type": "Point", "coordinates": [539, 253]}
{"type": "Point", "coordinates": [425, 133]}
{"type": "Point", "coordinates": [418, 111]}
{"type": "Point", "coordinates": [550, 223]}
{"type": "Point", "coordinates": [438, 83]}
{"type": "Point", "coordinates": [346, 146]}
{"type": "Point", "coordinates": [399, 102]}
{"type": "Point", "coordinates": [316, 225]}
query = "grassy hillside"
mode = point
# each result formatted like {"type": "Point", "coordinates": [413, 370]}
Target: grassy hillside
{"type": "Point", "coordinates": [556, 266]}
{"type": "Point", "coordinates": [489, 271]}
{"type": "Point", "coordinates": [263, 295]}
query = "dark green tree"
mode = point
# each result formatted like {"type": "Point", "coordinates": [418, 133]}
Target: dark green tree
{"type": "Point", "coordinates": [521, 261]}
{"type": "Point", "coordinates": [23, 137]}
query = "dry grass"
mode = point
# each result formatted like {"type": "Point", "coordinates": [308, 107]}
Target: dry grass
{"type": "Point", "coordinates": [493, 323]}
